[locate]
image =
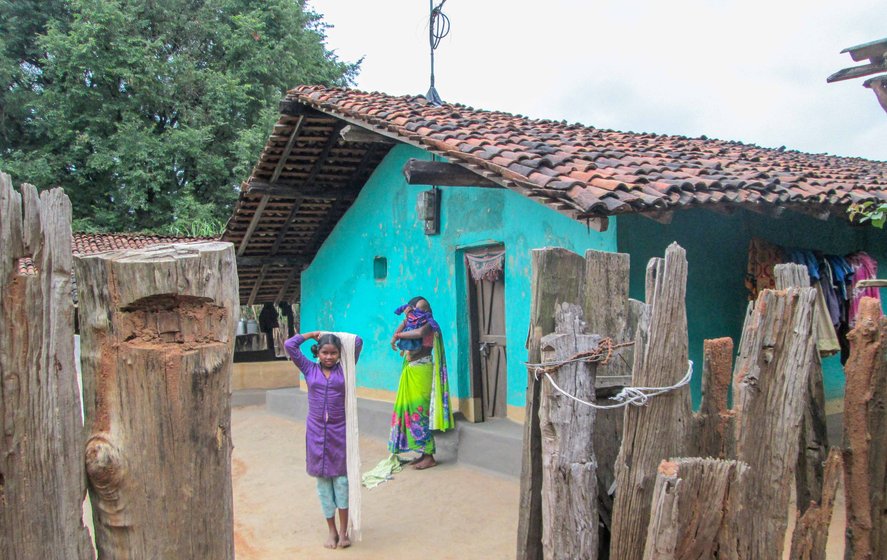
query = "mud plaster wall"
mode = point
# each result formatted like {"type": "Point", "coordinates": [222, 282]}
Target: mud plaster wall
{"type": "Point", "coordinates": [340, 293]}
{"type": "Point", "coordinates": [717, 251]}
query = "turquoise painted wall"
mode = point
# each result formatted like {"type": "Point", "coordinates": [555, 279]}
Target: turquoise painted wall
{"type": "Point", "coordinates": [717, 253]}
{"type": "Point", "coordinates": [339, 291]}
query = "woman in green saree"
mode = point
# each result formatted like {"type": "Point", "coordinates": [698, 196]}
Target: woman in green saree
{"type": "Point", "coordinates": [423, 394]}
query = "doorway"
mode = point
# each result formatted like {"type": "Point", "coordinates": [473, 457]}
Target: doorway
{"type": "Point", "coordinates": [486, 294]}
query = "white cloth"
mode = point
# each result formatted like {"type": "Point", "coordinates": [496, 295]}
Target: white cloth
{"type": "Point", "coordinates": [352, 447]}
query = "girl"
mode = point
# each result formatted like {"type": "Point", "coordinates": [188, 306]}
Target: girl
{"type": "Point", "coordinates": [325, 426]}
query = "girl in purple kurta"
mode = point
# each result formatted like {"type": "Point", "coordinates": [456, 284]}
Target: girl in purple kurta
{"type": "Point", "coordinates": [325, 426]}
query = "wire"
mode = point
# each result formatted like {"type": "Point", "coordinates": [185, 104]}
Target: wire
{"type": "Point", "coordinates": [438, 28]}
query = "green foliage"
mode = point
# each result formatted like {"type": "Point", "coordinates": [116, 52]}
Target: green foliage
{"type": "Point", "coordinates": [869, 212]}
{"type": "Point", "coordinates": [150, 113]}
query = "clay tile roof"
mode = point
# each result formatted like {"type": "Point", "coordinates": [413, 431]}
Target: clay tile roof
{"type": "Point", "coordinates": [92, 243]}
{"type": "Point", "coordinates": [585, 164]}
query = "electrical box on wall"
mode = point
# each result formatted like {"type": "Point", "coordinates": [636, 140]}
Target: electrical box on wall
{"type": "Point", "coordinates": [428, 210]}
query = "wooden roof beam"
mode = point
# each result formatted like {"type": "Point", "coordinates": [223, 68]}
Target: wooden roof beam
{"type": "Point", "coordinates": [287, 149]}
{"type": "Point", "coordinates": [324, 154]}
{"type": "Point", "coordinates": [258, 283]}
{"type": "Point", "coordinates": [275, 260]}
{"type": "Point", "coordinates": [252, 225]}
{"type": "Point", "coordinates": [287, 283]}
{"type": "Point", "coordinates": [295, 108]}
{"type": "Point", "coordinates": [439, 173]}
{"type": "Point", "coordinates": [284, 229]}
{"type": "Point", "coordinates": [292, 191]}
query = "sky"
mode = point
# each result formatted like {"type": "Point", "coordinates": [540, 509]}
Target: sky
{"type": "Point", "coordinates": [746, 70]}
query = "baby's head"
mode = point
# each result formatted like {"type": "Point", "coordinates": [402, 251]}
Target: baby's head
{"type": "Point", "coordinates": [420, 303]}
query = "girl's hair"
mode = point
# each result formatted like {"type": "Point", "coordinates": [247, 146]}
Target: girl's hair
{"type": "Point", "coordinates": [325, 339]}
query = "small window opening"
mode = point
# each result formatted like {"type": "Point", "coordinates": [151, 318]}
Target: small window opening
{"type": "Point", "coordinates": [380, 268]}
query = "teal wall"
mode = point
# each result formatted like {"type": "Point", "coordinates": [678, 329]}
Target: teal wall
{"type": "Point", "coordinates": [717, 253]}
{"type": "Point", "coordinates": [340, 293]}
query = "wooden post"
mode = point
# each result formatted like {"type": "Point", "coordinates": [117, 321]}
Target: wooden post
{"type": "Point", "coordinates": [690, 505]}
{"type": "Point", "coordinates": [558, 276]}
{"type": "Point", "coordinates": [713, 424]}
{"type": "Point", "coordinates": [770, 392]}
{"type": "Point", "coordinates": [41, 443]}
{"type": "Point", "coordinates": [813, 450]}
{"type": "Point", "coordinates": [610, 313]}
{"type": "Point", "coordinates": [569, 486]}
{"type": "Point", "coordinates": [157, 335]}
{"type": "Point", "coordinates": [810, 537]}
{"type": "Point", "coordinates": [865, 435]}
{"type": "Point", "coordinates": [658, 430]}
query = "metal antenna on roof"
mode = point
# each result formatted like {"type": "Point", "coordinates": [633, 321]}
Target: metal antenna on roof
{"type": "Point", "coordinates": [438, 28]}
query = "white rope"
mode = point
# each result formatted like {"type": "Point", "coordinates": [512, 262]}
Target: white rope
{"type": "Point", "coordinates": [637, 396]}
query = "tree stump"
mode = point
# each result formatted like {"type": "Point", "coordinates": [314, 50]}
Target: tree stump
{"type": "Point", "coordinates": [660, 429]}
{"type": "Point", "coordinates": [713, 424]}
{"type": "Point", "coordinates": [865, 435]}
{"type": "Point", "coordinates": [810, 537]}
{"type": "Point", "coordinates": [569, 485]}
{"type": "Point", "coordinates": [41, 462]}
{"type": "Point", "coordinates": [157, 334]}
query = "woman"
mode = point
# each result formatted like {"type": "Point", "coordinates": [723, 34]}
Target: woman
{"type": "Point", "coordinates": [423, 394]}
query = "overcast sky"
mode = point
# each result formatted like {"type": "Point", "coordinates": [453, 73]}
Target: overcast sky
{"type": "Point", "coordinates": [747, 70]}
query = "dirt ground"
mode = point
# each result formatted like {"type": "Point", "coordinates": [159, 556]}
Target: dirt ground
{"type": "Point", "coordinates": [450, 511]}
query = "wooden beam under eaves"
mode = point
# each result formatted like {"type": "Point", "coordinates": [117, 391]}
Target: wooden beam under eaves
{"type": "Point", "coordinates": [441, 174]}
{"type": "Point", "coordinates": [290, 191]}
{"type": "Point", "coordinates": [295, 108]}
{"type": "Point", "coordinates": [294, 273]}
{"type": "Point", "coordinates": [257, 285]}
{"type": "Point", "coordinates": [252, 225]}
{"type": "Point", "coordinates": [276, 260]}
{"type": "Point", "coordinates": [353, 133]}
{"type": "Point", "coordinates": [286, 150]}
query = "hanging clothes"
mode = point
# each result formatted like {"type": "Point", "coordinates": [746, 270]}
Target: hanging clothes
{"type": "Point", "coordinates": [864, 268]}
{"type": "Point", "coordinates": [762, 257]}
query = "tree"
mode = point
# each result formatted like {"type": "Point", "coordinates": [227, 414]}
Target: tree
{"type": "Point", "coordinates": [149, 113]}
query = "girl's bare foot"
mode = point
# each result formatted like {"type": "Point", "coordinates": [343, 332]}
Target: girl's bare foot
{"type": "Point", "coordinates": [332, 540]}
{"type": "Point", "coordinates": [344, 541]}
{"type": "Point", "coordinates": [426, 463]}
{"type": "Point", "coordinates": [417, 459]}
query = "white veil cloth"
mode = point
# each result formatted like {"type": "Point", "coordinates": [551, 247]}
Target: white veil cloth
{"type": "Point", "coordinates": [352, 446]}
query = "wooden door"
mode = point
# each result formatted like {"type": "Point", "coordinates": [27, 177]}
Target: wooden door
{"type": "Point", "coordinates": [488, 346]}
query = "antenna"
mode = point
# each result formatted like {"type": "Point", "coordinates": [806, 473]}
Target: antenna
{"type": "Point", "coordinates": [438, 28]}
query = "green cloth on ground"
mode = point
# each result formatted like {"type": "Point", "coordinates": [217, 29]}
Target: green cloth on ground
{"type": "Point", "coordinates": [382, 472]}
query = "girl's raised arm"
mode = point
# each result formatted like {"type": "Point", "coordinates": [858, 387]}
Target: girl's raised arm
{"type": "Point", "coordinates": [291, 346]}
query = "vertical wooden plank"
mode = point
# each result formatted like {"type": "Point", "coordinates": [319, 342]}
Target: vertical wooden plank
{"type": "Point", "coordinates": [770, 392]}
{"type": "Point", "coordinates": [569, 487]}
{"type": "Point", "coordinates": [157, 336]}
{"type": "Point", "coordinates": [609, 314]}
{"type": "Point", "coordinates": [813, 449]}
{"type": "Point", "coordinates": [658, 430]}
{"type": "Point", "coordinates": [691, 501]}
{"type": "Point", "coordinates": [41, 446]}
{"type": "Point", "coordinates": [558, 276]}
{"type": "Point", "coordinates": [865, 435]}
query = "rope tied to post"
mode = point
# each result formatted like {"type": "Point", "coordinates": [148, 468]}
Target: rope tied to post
{"type": "Point", "coordinates": [637, 396]}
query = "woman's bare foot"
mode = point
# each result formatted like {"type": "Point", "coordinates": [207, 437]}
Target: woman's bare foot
{"type": "Point", "coordinates": [344, 541]}
{"type": "Point", "coordinates": [332, 540]}
{"type": "Point", "coordinates": [426, 463]}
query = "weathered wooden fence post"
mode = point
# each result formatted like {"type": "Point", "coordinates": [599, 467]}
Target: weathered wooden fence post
{"type": "Point", "coordinates": [658, 430]}
{"type": "Point", "coordinates": [558, 276]}
{"type": "Point", "coordinates": [157, 334]}
{"type": "Point", "coordinates": [770, 394]}
{"type": "Point", "coordinates": [41, 444]}
{"type": "Point", "coordinates": [810, 537]}
{"type": "Point", "coordinates": [865, 435]}
{"type": "Point", "coordinates": [712, 434]}
{"type": "Point", "coordinates": [569, 485]}
{"type": "Point", "coordinates": [814, 434]}
{"type": "Point", "coordinates": [689, 507]}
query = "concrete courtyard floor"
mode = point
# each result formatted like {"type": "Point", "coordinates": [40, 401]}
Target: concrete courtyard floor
{"type": "Point", "coordinates": [450, 511]}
